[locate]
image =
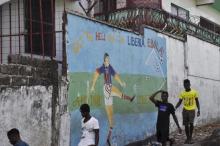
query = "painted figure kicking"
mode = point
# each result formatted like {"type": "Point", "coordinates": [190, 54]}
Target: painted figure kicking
{"type": "Point", "coordinates": [109, 90]}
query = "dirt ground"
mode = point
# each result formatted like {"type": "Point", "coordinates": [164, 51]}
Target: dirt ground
{"type": "Point", "coordinates": [199, 134]}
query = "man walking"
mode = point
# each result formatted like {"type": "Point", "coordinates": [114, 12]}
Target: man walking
{"type": "Point", "coordinates": [90, 128]}
{"type": "Point", "coordinates": [163, 119]}
{"type": "Point", "coordinates": [190, 101]}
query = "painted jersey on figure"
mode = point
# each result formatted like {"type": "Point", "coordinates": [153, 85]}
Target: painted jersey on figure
{"type": "Point", "coordinates": [88, 133]}
{"type": "Point", "coordinates": [108, 72]}
{"type": "Point", "coordinates": [188, 98]}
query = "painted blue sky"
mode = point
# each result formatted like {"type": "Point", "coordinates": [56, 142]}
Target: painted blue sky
{"type": "Point", "coordinates": [129, 53]}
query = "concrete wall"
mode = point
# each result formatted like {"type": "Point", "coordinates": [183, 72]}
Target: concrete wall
{"type": "Point", "coordinates": [64, 126]}
{"type": "Point", "coordinates": [200, 62]}
{"type": "Point", "coordinates": [59, 8]}
{"type": "Point", "coordinates": [29, 110]}
{"type": "Point", "coordinates": [195, 11]}
{"type": "Point", "coordinates": [33, 99]}
{"type": "Point", "coordinates": [204, 70]}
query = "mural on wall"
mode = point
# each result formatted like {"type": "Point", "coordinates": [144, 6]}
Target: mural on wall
{"type": "Point", "coordinates": [115, 72]}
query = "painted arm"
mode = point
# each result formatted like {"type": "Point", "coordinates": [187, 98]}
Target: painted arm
{"type": "Point", "coordinates": [177, 123]}
{"type": "Point", "coordinates": [152, 97]}
{"type": "Point", "coordinates": [198, 106]}
{"type": "Point", "coordinates": [95, 77]}
{"type": "Point", "coordinates": [117, 78]}
{"type": "Point", "coordinates": [179, 103]}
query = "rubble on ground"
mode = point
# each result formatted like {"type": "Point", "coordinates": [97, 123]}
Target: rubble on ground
{"type": "Point", "coordinates": [207, 135]}
{"type": "Point", "coordinates": [202, 136]}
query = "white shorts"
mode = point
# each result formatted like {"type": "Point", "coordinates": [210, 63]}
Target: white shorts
{"type": "Point", "coordinates": [108, 94]}
{"type": "Point", "coordinates": [107, 89]}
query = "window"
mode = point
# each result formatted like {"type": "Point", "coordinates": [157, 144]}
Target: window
{"type": "Point", "coordinates": [180, 12]}
{"type": "Point", "coordinates": [209, 25]}
{"type": "Point", "coordinates": [33, 20]}
{"type": "Point", "coordinates": [98, 7]}
{"type": "Point", "coordinates": [104, 6]}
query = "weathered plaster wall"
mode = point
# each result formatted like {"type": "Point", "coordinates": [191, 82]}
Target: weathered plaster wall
{"type": "Point", "coordinates": [29, 110]}
{"type": "Point", "coordinates": [64, 136]}
{"type": "Point", "coordinates": [200, 62]}
{"type": "Point", "coordinates": [33, 99]}
{"type": "Point", "coordinates": [204, 70]}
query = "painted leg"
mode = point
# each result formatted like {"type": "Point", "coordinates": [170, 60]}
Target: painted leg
{"type": "Point", "coordinates": [109, 111]}
{"type": "Point", "coordinates": [118, 93]}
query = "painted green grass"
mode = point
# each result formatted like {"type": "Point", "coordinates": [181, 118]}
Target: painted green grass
{"type": "Point", "coordinates": [140, 85]}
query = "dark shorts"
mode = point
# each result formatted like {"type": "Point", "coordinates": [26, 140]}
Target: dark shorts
{"type": "Point", "coordinates": [162, 134]}
{"type": "Point", "coordinates": [188, 116]}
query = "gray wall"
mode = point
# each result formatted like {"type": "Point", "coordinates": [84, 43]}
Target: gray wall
{"type": "Point", "coordinates": [198, 61]}
{"type": "Point", "coordinates": [29, 110]}
{"type": "Point", "coordinates": [33, 99]}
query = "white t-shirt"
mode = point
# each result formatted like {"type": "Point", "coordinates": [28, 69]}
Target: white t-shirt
{"type": "Point", "coordinates": [88, 133]}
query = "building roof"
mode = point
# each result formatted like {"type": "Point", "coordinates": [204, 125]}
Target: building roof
{"type": "Point", "coordinates": [4, 1]}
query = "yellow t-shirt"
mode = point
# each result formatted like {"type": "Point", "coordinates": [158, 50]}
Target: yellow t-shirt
{"type": "Point", "coordinates": [189, 102]}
